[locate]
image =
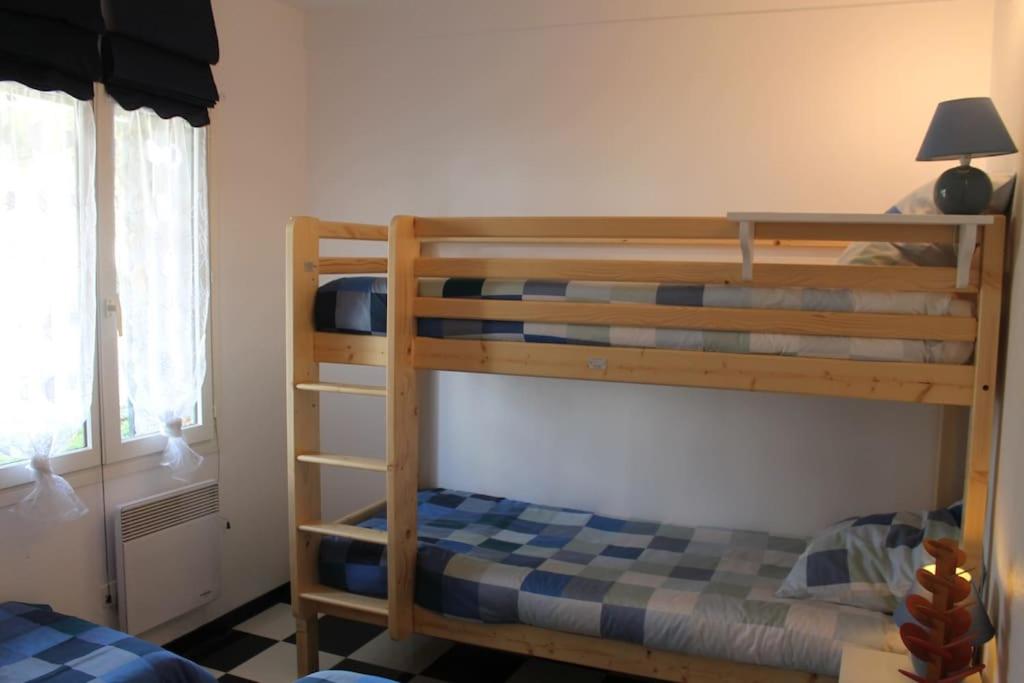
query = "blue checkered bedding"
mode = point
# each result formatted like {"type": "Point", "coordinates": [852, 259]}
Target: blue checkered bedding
{"type": "Point", "coordinates": [699, 591]}
{"type": "Point", "coordinates": [342, 677]}
{"type": "Point", "coordinates": [38, 644]}
{"type": "Point", "coordinates": [359, 305]}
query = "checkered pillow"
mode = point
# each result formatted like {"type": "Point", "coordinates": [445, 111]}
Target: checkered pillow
{"type": "Point", "coordinates": [356, 305]}
{"type": "Point", "coordinates": [868, 561]}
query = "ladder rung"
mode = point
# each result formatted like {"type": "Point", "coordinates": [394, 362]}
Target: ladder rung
{"type": "Point", "coordinates": [356, 533]}
{"type": "Point", "coordinates": [353, 601]}
{"type": "Point", "coordinates": [351, 461]}
{"type": "Point", "coordinates": [338, 388]}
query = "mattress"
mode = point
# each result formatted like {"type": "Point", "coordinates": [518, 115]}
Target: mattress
{"type": "Point", "coordinates": [359, 305]}
{"type": "Point", "coordinates": [38, 644]}
{"type": "Point", "coordinates": [699, 591]}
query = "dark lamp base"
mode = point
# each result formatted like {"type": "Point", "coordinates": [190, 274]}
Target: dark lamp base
{"type": "Point", "coordinates": [963, 190]}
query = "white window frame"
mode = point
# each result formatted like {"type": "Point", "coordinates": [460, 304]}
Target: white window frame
{"type": "Point", "coordinates": [103, 430]}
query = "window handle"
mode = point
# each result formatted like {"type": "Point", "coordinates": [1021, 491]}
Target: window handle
{"type": "Point", "coordinates": [112, 307]}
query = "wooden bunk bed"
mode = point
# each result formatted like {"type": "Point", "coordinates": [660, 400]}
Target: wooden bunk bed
{"type": "Point", "coordinates": [978, 276]}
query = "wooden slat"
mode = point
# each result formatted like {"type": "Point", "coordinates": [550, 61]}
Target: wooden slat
{"type": "Point", "coordinates": [364, 513]}
{"type": "Point", "coordinates": [577, 227]}
{"type": "Point", "coordinates": [350, 349]}
{"type": "Point", "coordinates": [350, 531]}
{"type": "Point", "coordinates": [348, 461]}
{"type": "Point", "coordinates": [607, 654]}
{"type": "Point", "coordinates": [876, 325]}
{"type": "Point", "coordinates": [884, 278]}
{"type": "Point", "coordinates": [646, 227]}
{"type": "Point", "coordinates": [347, 613]}
{"type": "Point", "coordinates": [982, 420]}
{"type": "Point", "coordinates": [910, 382]}
{"type": "Point", "coordinates": [340, 388]}
{"type": "Point", "coordinates": [348, 265]}
{"type": "Point", "coordinates": [403, 427]}
{"type": "Point", "coordinates": [322, 595]}
{"type": "Point", "coordinates": [352, 231]}
{"type": "Point", "coordinates": [303, 429]}
{"type": "Point", "coordinates": [823, 242]}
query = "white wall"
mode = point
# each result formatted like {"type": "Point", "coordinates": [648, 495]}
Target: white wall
{"type": "Point", "coordinates": [672, 107]}
{"type": "Point", "coordinates": [258, 165]}
{"type": "Point", "coordinates": [257, 180]}
{"type": "Point", "coordinates": [1007, 543]}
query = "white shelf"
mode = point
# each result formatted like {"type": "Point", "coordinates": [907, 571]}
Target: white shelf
{"type": "Point", "coordinates": [861, 665]}
{"type": "Point", "coordinates": [861, 218]}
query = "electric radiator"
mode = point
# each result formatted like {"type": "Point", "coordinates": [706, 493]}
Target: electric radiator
{"type": "Point", "coordinates": [168, 555]}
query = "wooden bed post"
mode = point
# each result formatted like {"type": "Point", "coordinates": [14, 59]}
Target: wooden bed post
{"type": "Point", "coordinates": [403, 426]}
{"type": "Point", "coordinates": [301, 274]}
{"type": "Point", "coordinates": [950, 462]}
{"type": "Point", "coordinates": [986, 354]}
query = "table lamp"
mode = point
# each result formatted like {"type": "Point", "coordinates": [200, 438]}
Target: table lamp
{"type": "Point", "coordinates": [962, 129]}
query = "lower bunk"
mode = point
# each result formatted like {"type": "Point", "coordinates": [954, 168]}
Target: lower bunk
{"type": "Point", "coordinates": [549, 581]}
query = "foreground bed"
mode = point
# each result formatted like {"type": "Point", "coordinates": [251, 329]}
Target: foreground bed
{"type": "Point", "coordinates": [38, 644]}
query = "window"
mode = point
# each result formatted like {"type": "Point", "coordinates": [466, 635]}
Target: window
{"type": "Point", "coordinates": [158, 299]}
{"type": "Point", "coordinates": [143, 265]}
{"type": "Point", "coordinates": [47, 275]}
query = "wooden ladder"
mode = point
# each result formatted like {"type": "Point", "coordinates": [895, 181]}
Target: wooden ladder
{"type": "Point", "coordinates": [304, 388]}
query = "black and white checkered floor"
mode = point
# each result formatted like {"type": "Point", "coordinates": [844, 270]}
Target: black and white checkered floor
{"type": "Point", "coordinates": [262, 650]}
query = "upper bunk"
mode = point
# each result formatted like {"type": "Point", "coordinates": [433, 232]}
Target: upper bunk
{"type": "Point", "coordinates": [974, 280]}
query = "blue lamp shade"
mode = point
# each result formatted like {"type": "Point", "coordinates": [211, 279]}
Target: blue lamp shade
{"type": "Point", "coordinates": [966, 127]}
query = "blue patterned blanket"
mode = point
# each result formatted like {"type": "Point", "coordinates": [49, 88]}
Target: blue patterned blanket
{"type": "Point", "coordinates": [359, 305]}
{"type": "Point", "coordinates": [342, 677]}
{"type": "Point", "coordinates": [699, 591]}
{"type": "Point", "coordinates": [38, 644]}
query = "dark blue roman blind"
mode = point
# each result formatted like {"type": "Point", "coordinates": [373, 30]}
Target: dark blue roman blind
{"type": "Point", "coordinates": [158, 54]}
{"type": "Point", "coordinates": [51, 44]}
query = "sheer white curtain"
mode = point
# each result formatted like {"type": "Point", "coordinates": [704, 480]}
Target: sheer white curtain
{"type": "Point", "coordinates": [47, 276]}
{"type": "Point", "coordinates": [162, 252]}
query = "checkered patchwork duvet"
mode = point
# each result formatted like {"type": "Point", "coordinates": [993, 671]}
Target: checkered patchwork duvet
{"type": "Point", "coordinates": [38, 644]}
{"type": "Point", "coordinates": [359, 305]}
{"type": "Point", "coordinates": [342, 677]}
{"type": "Point", "coordinates": [699, 591]}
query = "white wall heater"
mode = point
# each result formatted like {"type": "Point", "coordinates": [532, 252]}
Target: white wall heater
{"type": "Point", "coordinates": [168, 555]}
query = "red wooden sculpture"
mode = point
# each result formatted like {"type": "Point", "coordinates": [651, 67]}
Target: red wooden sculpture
{"type": "Point", "coordinates": [941, 639]}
